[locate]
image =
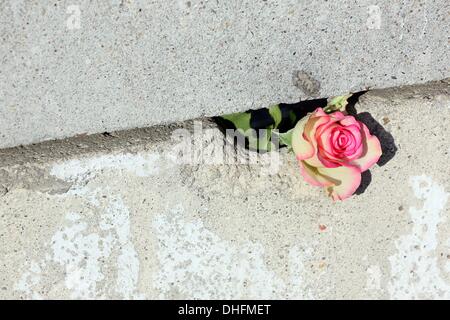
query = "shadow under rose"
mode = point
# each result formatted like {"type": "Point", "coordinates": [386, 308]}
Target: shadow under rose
{"type": "Point", "coordinates": [366, 179]}
{"type": "Point", "coordinates": [388, 147]}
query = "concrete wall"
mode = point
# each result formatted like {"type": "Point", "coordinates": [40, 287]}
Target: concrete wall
{"type": "Point", "coordinates": [119, 217]}
{"type": "Point", "coordinates": [75, 67]}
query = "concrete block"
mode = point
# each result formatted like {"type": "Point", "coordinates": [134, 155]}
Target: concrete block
{"type": "Point", "coordinates": [77, 67]}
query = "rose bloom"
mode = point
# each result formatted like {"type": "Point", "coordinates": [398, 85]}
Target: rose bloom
{"type": "Point", "coordinates": [333, 150]}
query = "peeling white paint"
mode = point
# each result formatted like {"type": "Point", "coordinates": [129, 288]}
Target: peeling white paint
{"type": "Point", "coordinates": [196, 263]}
{"type": "Point", "coordinates": [73, 170]}
{"type": "Point", "coordinates": [85, 249]}
{"type": "Point", "coordinates": [88, 244]}
{"type": "Point", "coordinates": [29, 280]}
{"type": "Point", "coordinates": [128, 272]}
{"type": "Point", "coordinates": [79, 253]}
{"type": "Point", "coordinates": [374, 277]}
{"type": "Point", "coordinates": [415, 272]}
{"type": "Point", "coordinates": [117, 217]}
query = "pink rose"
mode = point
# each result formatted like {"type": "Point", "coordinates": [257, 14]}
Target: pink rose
{"type": "Point", "coordinates": [333, 149]}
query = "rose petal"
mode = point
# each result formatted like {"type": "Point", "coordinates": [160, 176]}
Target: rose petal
{"type": "Point", "coordinates": [314, 161]}
{"type": "Point", "coordinates": [319, 112]}
{"type": "Point", "coordinates": [371, 151]}
{"type": "Point", "coordinates": [345, 181]}
{"type": "Point", "coordinates": [309, 134]}
{"type": "Point", "coordinates": [355, 130]}
{"type": "Point", "coordinates": [324, 126]}
{"type": "Point", "coordinates": [316, 120]}
{"type": "Point", "coordinates": [349, 120]}
{"type": "Point", "coordinates": [323, 137]}
{"type": "Point", "coordinates": [327, 154]}
{"type": "Point", "coordinates": [312, 176]}
{"type": "Point", "coordinates": [303, 149]}
{"type": "Point", "coordinates": [326, 162]}
{"type": "Point", "coordinates": [337, 116]}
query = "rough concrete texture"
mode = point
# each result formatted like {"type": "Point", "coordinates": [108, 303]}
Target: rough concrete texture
{"type": "Point", "coordinates": [75, 67]}
{"type": "Point", "coordinates": [118, 216]}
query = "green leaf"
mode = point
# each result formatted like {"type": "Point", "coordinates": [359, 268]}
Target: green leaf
{"type": "Point", "coordinates": [292, 117]}
{"type": "Point", "coordinates": [337, 103]}
{"type": "Point", "coordinates": [286, 138]}
{"type": "Point", "coordinates": [261, 143]}
{"type": "Point", "coordinates": [252, 142]}
{"type": "Point", "coordinates": [240, 120]}
{"type": "Point", "coordinates": [265, 140]}
{"type": "Point", "coordinates": [275, 112]}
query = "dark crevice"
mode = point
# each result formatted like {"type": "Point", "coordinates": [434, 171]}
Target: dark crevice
{"type": "Point", "coordinates": [261, 118]}
{"type": "Point", "coordinates": [352, 101]}
{"type": "Point", "coordinates": [300, 109]}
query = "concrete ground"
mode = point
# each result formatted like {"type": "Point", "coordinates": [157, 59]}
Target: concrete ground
{"type": "Point", "coordinates": [121, 216]}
